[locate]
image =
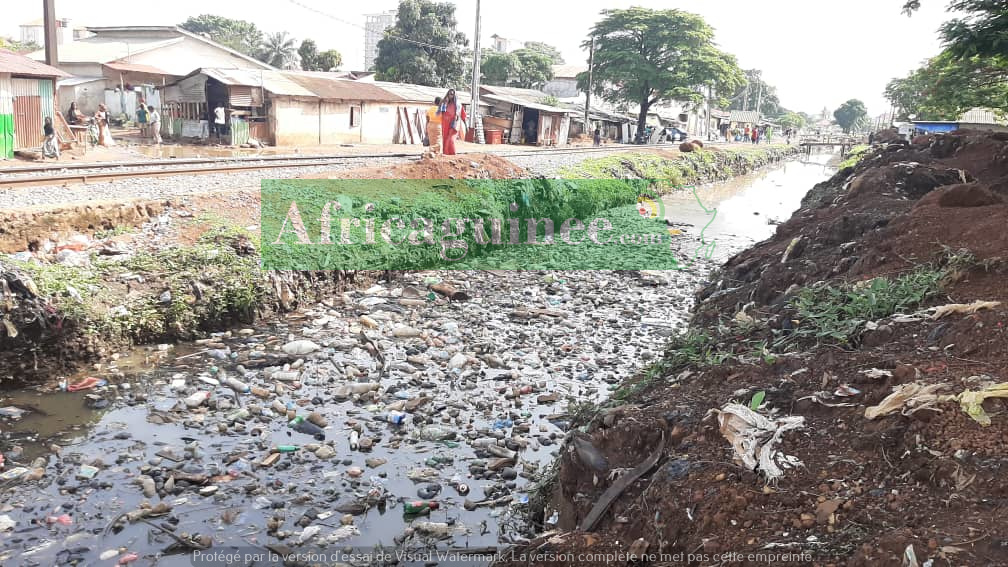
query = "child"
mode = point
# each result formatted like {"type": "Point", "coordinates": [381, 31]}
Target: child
{"type": "Point", "coordinates": [50, 148]}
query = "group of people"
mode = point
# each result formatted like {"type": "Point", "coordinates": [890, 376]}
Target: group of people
{"type": "Point", "coordinates": [753, 134]}
{"type": "Point", "coordinates": [443, 123]}
{"type": "Point", "coordinates": [148, 118]}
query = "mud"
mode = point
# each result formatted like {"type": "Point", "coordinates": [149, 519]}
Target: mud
{"type": "Point", "coordinates": [868, 492]}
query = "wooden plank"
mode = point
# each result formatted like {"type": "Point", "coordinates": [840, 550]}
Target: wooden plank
{"type": "Point", "coordinates": [63, 129]}
{"type": "Point", "coordinates": [409, 127]}
{"type": "Point", "coordinates": [399, 128]}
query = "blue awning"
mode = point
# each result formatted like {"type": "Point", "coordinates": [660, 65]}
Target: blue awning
{"type": "Point", "coordinates": [936, 126]}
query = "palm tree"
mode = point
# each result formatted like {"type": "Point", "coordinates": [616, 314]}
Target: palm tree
{"type": "Point", "coordinates": [278, 50]}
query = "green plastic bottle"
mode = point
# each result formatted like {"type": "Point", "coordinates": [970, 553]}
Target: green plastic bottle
{"type": "Point", "coordinates": [285, 449]}
{"type": "Point", "coordinates": [419, 507]}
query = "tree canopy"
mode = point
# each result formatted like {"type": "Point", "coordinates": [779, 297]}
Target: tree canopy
{"type": "Point", "coordinates": [647, 56]}
{"type": "Point", "coordinates": [314, 60]}
{"type": "Point", "coordinates": [792, 120]}
{"type": "Point", "coordinates": [850, 114]}
{"type": "Point", "coordinates": [424, 47]}
{"type": "Point", "coordinates": [525, 68]}
{"type": "Point", "coordinates": [240, 35]}
{"type": "Point", "coordinates": [768, 101]}
{"type": "Point", "coordinates": [278, 50]}
{"type": "Point", "coordinates": [982, 32]}
{"type": "Point", "coordinates": [546, 49]}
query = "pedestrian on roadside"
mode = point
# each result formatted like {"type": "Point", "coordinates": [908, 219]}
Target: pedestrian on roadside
{"type": "Point", "coordinates": [155, 124]}
{"type": "Point", "coordinates": [142, 119]}
{"type": "Point", "coordinates": [104, 132]}
{"type": "Point", "coordinates": [597, 137]}
{"type": "Point", "coordinates": [755, 136]}
{"type": "Point", "coordinates": [434, 127]}
{"type": "Point", "coordinates": [220, 121]}
{"type": "Point", "coordinates": [50, 147]}
{"type": "Point", "coordinates": [74, 116]}
{"type": "Point", "coordinates": [450, 111]}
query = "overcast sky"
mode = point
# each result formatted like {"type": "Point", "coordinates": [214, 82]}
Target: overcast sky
{"type": "Point", "coordinates": [817, 53]}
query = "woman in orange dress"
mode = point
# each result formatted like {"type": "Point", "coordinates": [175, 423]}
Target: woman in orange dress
{"type": "Point", "coordinates": [451, 112]}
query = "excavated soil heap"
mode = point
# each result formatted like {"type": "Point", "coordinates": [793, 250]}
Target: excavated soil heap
{"type": "Point", "coordinates": [867, 490]}
{"type": "Point", "coordinates": [468, 166]}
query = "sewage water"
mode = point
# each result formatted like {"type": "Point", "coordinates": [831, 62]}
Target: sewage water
{"type": "Point", "coordinates": [485, 378]}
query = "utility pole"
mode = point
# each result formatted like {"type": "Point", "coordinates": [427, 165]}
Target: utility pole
{"type": "Point", "coordinates": [759, 100]}
{"type": "Point", "coordinates": [745, 98]}
{"type": "Point", "coordinates": [49, 21]}
{"type": "Point", "coordinates": [591, 63]}
{"type": "Point", "coordinates": [474, 109]}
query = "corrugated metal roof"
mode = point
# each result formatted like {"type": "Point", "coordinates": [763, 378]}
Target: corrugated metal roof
{"type": "Point", "coordinates": [527, 104]}
{"type": "Point", "coordinates": [15, 64]}
{"type": "Point", "coordinates": [103, 50]}
{"type": "Point", "coordinates": [72, 81]}
{"type": "Point", "coordinates": [136, 68]}
{"type": "Point", "coordinates": [332, 88]}
{"type": "Point", "coordinates": [980, 116]}
{"type": "Point", "coordinates": [568, 71]}
{"type": "Point", "coordinates": [420, 93]}
{"type": "Point", "coordinates": [273, 81]}
{"type": "Point", "coordinates": [749, 116]}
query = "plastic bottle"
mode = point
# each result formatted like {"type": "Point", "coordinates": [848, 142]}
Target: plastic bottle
{"type": "Point", "coordinates": [301, 425]}
{"type": "Point", "coordinates": [63, 520]}
{"type": "Point", "coordinates": [240, 414]}
{"type": "Point", "coordinates": [393, 417]}
{"type": "Point", "coordinates": [259, 392]}
{"type": "Point", "coordinates": [316, 418]}
{"type": "Point", "coordinates": [86, 384]}
{"type": "Point", "coordinates": [237, 385]}
{"type": "Point", "coordinates": [419, 507]}
{"type": "Point", "coordinates": [436, 433]}
{"type": "Point", "coordinates": [284, 449]}
{"type": "Point", "coordinates": [354, 439]}
{"type": "Point", "coordinates": [197, 399]}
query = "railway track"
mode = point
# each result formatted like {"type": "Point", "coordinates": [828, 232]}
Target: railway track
{"type": "Point", "coordinates": [84, 173]}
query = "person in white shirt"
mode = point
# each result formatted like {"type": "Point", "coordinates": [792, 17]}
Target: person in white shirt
{"type": "Point", "coordinates": [154, 119]}
{"type": "Point", "coordinates": [220, 121]}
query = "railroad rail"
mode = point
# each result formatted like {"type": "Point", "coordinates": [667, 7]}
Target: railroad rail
{"type": "Point", "coordinates": [84, 173]}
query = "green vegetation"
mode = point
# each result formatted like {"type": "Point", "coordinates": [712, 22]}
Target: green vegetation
{"type": "Point", "coordinates": [114, 231]}
{"type": "Point", "coordinates": [838, 313]}
{"type": "Point", "coordinates": [643, 57]}
{"type": "Point", "coordinates": [423, 22]}
{"type": "Point", "coordinates": [857, 153]}
{"type": "Point", "coordinates": [314, 60]}
{"type": "Point", "coordinates": [524, 68]}
{"type": "Point", "coordinates": [851, 114]}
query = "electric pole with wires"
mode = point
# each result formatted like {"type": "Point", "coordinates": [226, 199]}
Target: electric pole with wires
{"type": "Point", "coordinates": [475, 122]}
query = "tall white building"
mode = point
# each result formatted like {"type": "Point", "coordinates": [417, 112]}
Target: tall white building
{"type": "Point", "coordinates": [374, 31]}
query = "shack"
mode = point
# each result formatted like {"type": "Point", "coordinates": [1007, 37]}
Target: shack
{"type": "Point", "coordinates": [291, 108]}
{"type": "Point", "coordinates": [27, 96]}
{"type": "Point", "coordinates": [974, 119]}
{"type": "Point", "coordinates": [532, 120]}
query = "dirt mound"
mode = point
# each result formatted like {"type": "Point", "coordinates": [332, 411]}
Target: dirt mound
{"type": "Point", "coordinates": [467, 166]}
{"type": "Point", "coordinates": [927, 476]}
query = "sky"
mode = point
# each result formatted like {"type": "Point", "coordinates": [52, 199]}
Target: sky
{"type": "Point", "coordinates": [817, 53]}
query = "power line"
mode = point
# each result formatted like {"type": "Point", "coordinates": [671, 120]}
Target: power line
{"type": "Point", "coordinates": [387, 35]}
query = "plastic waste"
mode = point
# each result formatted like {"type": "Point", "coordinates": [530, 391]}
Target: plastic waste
{"type": "Point", "coordinates": [197, 399]}
{"type": "Point", "coordinates": [62, 519]}
{"type": "Point", "coordinates": [436, 433]}
{"type": "Point", "coordinates": [301, 425]}
{"type": "Point", "coordinates": [16, 472]}
{"type": "Point", "coordinates": [259, 392]}
{"type": "Point", "coordinates": [284, 448]}
{"type": "Point", "coordinates": [86, 384]}
{"type": "Point", "coordinates": [393, 417]}
{"type": "Point", "coordinates": [295, 348]}
{"type": "Point", "coordinates": [354, 439]}
{"type": "Point", "coordinates": [237, 385]}
{"type": "Point", "coordinates": [419, 507]}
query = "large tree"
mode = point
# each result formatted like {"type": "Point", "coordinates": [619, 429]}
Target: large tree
{"type": "Point", "coordinates": [278, 50]}
{"type": "Point", "coordinates": [424, 47]}
{"type": "Point", "coordinates": [850, 114]}
{"type": "Point", "coordinates": [758, 90]}
{"type": "Point", "coordinates": [534, 68]}
{"type": "Point", "coordinates": [239, 35]}
{"type": "Point", "coordinates": [546, 49]}
{"type": "Point", "coordinates": [314, 60]}
{"type": "Point", "coordinates": [945, 87]}
{"type": "Point", "coordinates": [983, 31]}
{"type": "Point", "coordinates": [791, 120]}
{"type": "Point", "coordinates": [498, 68]}
{"type": "Point", "coordinates": [647, 56]}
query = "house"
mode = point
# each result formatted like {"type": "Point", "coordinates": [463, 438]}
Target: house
{"type": "Point", "coordinates": [525, 116]}
{"type": "Point", "coordinates": [121, 65]}
{"type": "Point", "coordinates": [502, 44]}
{"type": "Point", "coordinates": [740, 119]}
{"type": "Point", "coordinates": [27, 96]}
{"type": "Point", "coordinates": [564, 81]}
{"type": "Point", "coordinates": [612, 125]}
{"type": "Point", "coordinates": [292, 108]}
{"type": "Point", "coordinates": [34, 32]}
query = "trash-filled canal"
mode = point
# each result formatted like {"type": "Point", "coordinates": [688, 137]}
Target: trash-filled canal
{"type": "Point", "coordinates": [390, 416]}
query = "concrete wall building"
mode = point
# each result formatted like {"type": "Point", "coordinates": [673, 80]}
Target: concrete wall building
{"type": "Point", "coordinates": [564, 82]}
{"type": "Point", "coordinates": [374, 30]}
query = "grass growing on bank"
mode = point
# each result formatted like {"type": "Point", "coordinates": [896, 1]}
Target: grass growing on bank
{"type": "Point", "coordinates": [857, 153]}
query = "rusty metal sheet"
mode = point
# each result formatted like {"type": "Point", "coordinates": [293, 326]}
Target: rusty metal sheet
{"type": "Point", "coordinates": [240, 95]}
{"type": "Point", "coordinates": [28, 122]}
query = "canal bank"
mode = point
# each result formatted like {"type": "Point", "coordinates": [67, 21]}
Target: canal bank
{"type": "Point", "coordinates": [463, 403]}
{"type": "Point", "coordinates": [838, 397]}
{"type": "Point", "coordinates": [173, 271]}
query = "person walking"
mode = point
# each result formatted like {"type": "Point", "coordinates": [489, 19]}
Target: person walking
{"type": "Point", "coordinates": [104, 132]}
{"type": "Point", "coordinates": [451, 112]}
{"type": "Point", "coordinates": [142, 119]}
{"type": "Point", "coordinates": [154, 117]}
{"type": "Point", "coordinates": [597, 137]}
{"type": "Point", "coordinates": [50, 147]}
{"type": "Point", "coordinates": [434, 127]}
